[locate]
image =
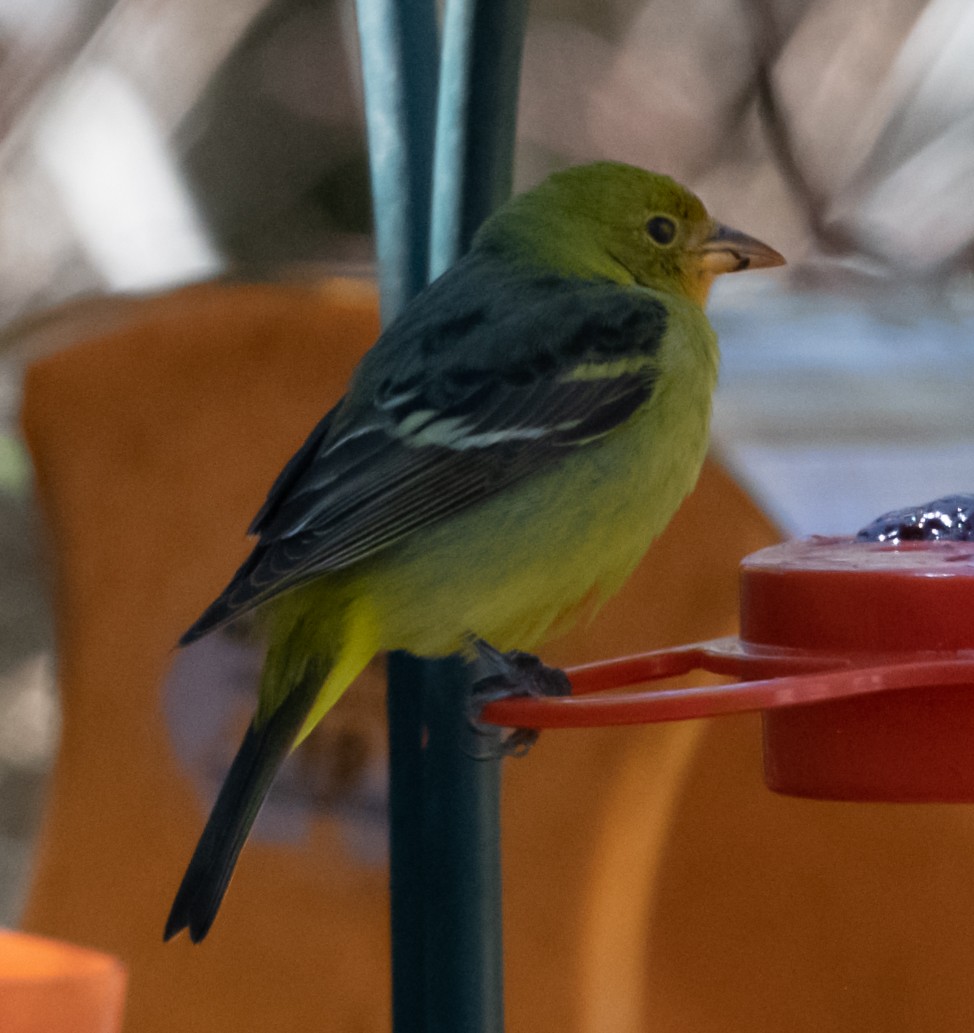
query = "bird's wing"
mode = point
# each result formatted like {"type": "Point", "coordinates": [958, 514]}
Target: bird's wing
{"type": "Point", "coordinates": [294, 470]}
{"type": "Point", "coordinates": [425, 448]}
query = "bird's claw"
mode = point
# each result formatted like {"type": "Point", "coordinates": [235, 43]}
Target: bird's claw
{"type": "Point", "coordinates": [503, 675]}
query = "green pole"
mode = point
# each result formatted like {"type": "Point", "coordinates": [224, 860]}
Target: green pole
{"type": "Point", "coordinates": [464, 946]}
{"type": "Point", "coordinates": [476, 116]}
{"type": "Point", "coordinates": [444, 803]}
{"type": "Point", "coordinates": [399, 41]}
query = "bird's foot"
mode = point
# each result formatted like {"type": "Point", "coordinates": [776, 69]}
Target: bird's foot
{"type": "Point", "coordinates": [503, 675]}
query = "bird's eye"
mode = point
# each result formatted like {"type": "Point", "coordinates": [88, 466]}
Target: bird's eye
{"type": "Point", "coordinates": [661, 229]}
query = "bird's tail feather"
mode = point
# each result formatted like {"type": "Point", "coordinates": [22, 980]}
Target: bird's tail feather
{"type": "Point", "coordinates": [261, 753]}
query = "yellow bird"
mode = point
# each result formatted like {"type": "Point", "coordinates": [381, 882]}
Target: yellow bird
{"type": "Point", "coordinates": [505, 454]}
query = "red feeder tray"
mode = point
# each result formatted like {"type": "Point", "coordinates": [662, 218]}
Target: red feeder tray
{"type": "Point", "coordinates": [859, 654]}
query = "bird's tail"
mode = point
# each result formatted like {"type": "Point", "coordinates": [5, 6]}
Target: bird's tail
{"type": "Point", "coordinates": [261, 753]}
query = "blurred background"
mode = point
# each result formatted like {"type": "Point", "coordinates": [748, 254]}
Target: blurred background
{"type": "Point", "coordinates": [150, 143]}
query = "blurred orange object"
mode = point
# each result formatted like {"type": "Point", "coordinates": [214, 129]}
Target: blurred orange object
{"type": "Point", "coordinates": [651, 882]}
{"type": "Point", "coordinates": [47, 986]}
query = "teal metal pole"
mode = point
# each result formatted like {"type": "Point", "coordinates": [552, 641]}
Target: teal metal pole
{"type": "Point", "coordinates": [408, 872]}
{"type": "Point", "coordinates": [464, 945]}
{"type": "Point", "coordinates": [398, 41]}
{"type": "Point", "coordinates": [476, 116]}
{"type": "Point", "coordinates": [444, 803]}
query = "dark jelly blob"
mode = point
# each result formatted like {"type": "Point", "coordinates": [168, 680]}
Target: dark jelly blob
{"type": "Point", "coordinates": [949, 519]}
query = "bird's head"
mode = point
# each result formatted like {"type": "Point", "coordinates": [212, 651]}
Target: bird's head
{"type": "Point", "coordinates": [615, 221]}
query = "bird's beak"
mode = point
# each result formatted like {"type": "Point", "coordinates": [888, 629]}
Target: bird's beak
{"type": "Point", "coordinates": [730, 251]}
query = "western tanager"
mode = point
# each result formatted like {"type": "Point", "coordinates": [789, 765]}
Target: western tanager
{"type": "Point", "coordinates": [505, 454]}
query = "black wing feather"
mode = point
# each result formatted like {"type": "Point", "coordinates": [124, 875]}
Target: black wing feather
{"type": "Point", "coordinates": [289, 479]}
{"type": "Point", "coordinates": [375, 471]}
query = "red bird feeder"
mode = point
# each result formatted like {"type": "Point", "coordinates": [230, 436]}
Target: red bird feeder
{"type": "Point", "coordinates": [859, 654]}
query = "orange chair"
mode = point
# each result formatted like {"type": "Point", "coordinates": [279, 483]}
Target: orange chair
{"type": "Point", "coordinates": [650, 881]}
{"type": "Point", "coordinates": [46, 985]}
